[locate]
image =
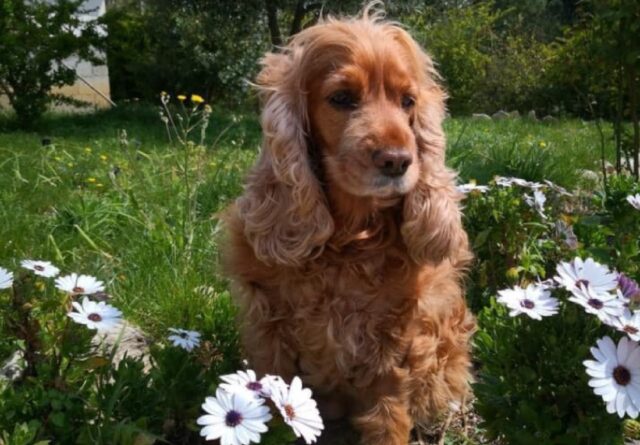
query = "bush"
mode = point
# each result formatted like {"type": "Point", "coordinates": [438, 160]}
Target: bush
{"type": "Point", "coordinates": [532, 386]}
{"type": "Point", "coordinates": [35, 38]}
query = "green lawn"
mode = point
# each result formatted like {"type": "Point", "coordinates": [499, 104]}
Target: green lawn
{"type": "Point", "coordinates": [64, 202]}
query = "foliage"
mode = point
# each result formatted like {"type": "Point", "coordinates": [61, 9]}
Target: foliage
{"type": "Point", "coordinates": [35, 38]}
{"type": "Point", "coordinates": [531, 386]}
{"type": "Point", "coordinates": [206, 47]}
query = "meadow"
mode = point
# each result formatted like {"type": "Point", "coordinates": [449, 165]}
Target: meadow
{"type": "Point", "coordinates": [109, 195]}
{"type": "Point", "coordinates": [106, 195]}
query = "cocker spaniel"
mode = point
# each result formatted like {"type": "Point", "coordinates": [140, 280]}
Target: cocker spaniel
{"type": "Point", "coordinates": [346, 248]}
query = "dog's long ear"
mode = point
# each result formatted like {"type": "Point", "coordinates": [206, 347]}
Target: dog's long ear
{"type": "Point", "coordinates": [432, 221]}
{"type": "Point", "coordinates": [286, 218]}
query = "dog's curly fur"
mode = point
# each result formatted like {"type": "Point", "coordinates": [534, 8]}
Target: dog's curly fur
{"type": "Point", "coordinates": [344, 276]}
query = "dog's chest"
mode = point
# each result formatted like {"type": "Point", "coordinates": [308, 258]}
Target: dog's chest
{"type": "Point", "coordinates": [351, 316]}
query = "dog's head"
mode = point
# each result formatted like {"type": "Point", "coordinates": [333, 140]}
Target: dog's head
{"type": "Point", "coordinates": [356, 104]}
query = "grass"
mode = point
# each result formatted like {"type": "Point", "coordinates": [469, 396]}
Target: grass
{"type": "Point", "coordinates": [113, 204]}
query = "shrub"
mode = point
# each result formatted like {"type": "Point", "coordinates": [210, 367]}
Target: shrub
{"type": "Point", "coordinates": [532, 386]}
{"type": "Point", "coordinates": [35, 38]}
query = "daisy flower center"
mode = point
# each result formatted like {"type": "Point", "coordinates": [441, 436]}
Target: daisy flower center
{"type": "Point", "coordinates": [621, 375]}
{"type": "Point", "coordinates": [184, 335]}
{"type": "Point", "coordinates": [38, 268]}
{"type": "Point", "coordinates": [95, 317]}
{"type": "Point", "coordinates": [595, 303]}
{"type": "Point", "coordinates": [78, 290]}
{"type": "Point", "coordinates": [254, 386]}
{"type": "Point", "coordinates": [289, 411]}
{"type": "Point", "coordinates": [233, 418]}
{"type": "Point", "coordinates": [527, 304]}
{"type": "Point", "coordinates": [630, 329]}
{"type": "Point", "coordinates": [582, 282]}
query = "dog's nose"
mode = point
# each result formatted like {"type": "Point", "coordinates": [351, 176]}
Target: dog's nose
{"type": "Point", "coordinates": [392, 163]}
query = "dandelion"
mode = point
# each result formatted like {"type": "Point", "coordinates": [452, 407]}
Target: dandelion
{"type": "Point", "coordinates": [542, 144]}
{"type": "Point", "coordinates": [299, 410]}
{"type": "Point", "coordinates": [104, 158]}
{"type": "Point", "coordinates": [246, 381]}
{"type": "Point", "coordinates": [187, 340]}
{"type": "Point", "coordinates": [235, 419]}
{"type": "Point", "coordinates": [182, 97]}
{"type": "Point", "coordinates": [41, 268]}
{"type": "Point", "coordinates": [100, 316]}
{"type": "Point", "coordinates": [634, 200]}
{"type": "Point", "coordinates": [605, 306]}
{"type": "Point", "coordinates": [534, 301]}
{"type": "Point", "coordinates": [196, 99]}
{"type": "Point", "coordinates": [536, 202]}
{"type": "Point", "coordinates": [629, 323]}
{"type": "Point", "coordinates": [75, 284]}
{"type": "Point", "coordinates": [586, 273]}
{"type": "Point", "coordinates": [6, 278]}
{"type": "Point", "coordinates": [614, 375]}
{"type": "Point", "coordinates": [91, 180]}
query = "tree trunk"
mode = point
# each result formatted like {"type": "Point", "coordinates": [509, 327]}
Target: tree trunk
{"type": "Point", "coordinates": [274, 28]}
{"type": "Point", "coordinates": [632, 86]}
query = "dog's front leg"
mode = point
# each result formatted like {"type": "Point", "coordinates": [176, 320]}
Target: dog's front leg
{"type": "Point", "coordinates": [384, 417]}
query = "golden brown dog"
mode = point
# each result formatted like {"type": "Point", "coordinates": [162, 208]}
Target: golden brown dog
{"type": "Point", "coordinates": [346, 248]}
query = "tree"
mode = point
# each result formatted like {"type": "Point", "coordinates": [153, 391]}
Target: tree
{"type": "Point", "coordinates": [35, 38]}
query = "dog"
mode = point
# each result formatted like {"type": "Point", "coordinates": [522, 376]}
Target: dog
{"type": "Point", "coordinates": [346, 249]}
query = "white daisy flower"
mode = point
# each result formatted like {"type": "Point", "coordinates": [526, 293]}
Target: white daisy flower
{"type": "Point", "coordinates": [604, 305]}
{"type": "Point", "coordinates": [536, 202]}
{"type": "Point", "coordinates": [471, 186]}
{"type": "Point", "coordinates": [615, 375]}
{"type": "Point", "coordinates": [299, 410]}
{"type": "Point", "coordinates": [556, 188]}
{"type": "Point", "coordinates": [629, 323]}
{"type": "Point", "coordinates": [75, 284]}
{"type": "Point", "coordinates": [534, 301]}
{"type": "Point", "coordinates": [41, 268]}
{"type": "Point", "coordinates": [247, 381]}
{"type": "Point", "coordinates": [586, 273]}
{"type": "Point", "coordinates": [100, 316]}
{"type": "Point", "coordinates": [6, 278]}
{"type": "Point", "coordinates": [508, 182]}
{"type": "Point", "coordinates": [184, 339]}
{"type": "Point", "coordinates": [634, 200]}
{"type": "Point", "coordinates": [235, 419]}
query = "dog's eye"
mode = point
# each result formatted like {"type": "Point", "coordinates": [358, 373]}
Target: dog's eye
{"type": "Point", "coordinates": [408, 102]}
{"type": "Point", "coordinates": [344, 99]}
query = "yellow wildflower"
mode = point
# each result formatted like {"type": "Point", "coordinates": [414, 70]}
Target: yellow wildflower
{"type": "Point", "coordinates": [58, 158]}
{"type": "Point", "coordinates": [196, 99]}
{"type": "Point", "coordinates": [542, 144]}
{"type": "Point", "coordinates": [39, 286]}
{"type": "Point", "coordinates": [87, 149]}
{"type": "Point", "coordinates": [99, 185]}
{"type": "Point", "coordinates": [91, 180]}
{"type": "Point", "coordinates": [104, 157]}
{"type": "Point", "coordinates": [69, 164]}
{"type": "Point", "coordinates": [182, 97]}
